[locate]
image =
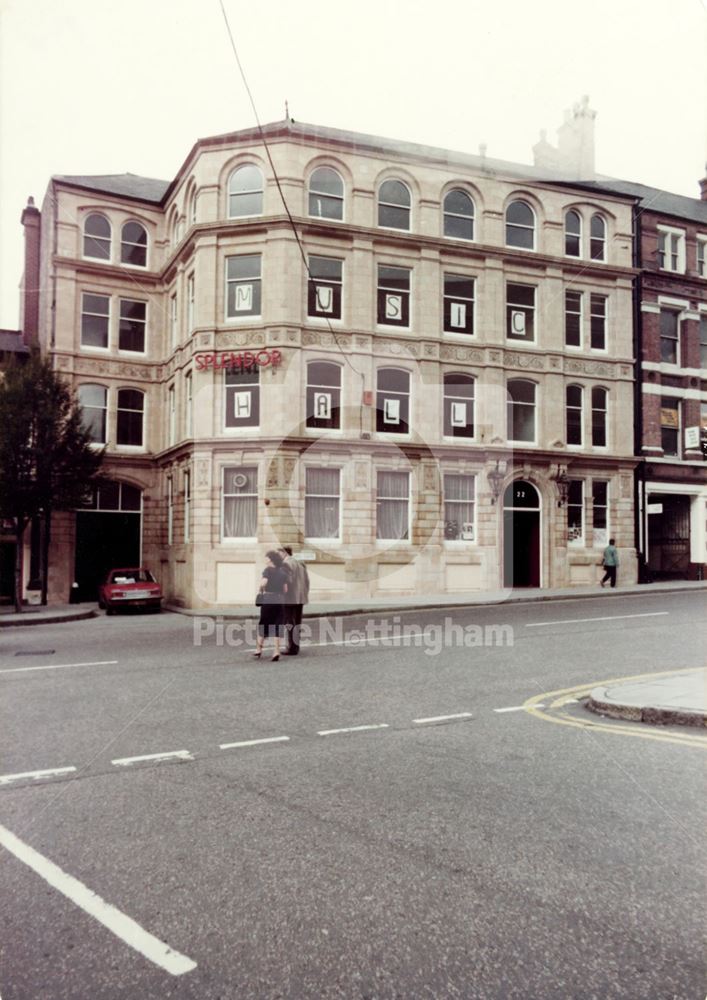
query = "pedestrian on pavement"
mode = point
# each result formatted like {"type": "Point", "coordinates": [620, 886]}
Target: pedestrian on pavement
{"type": "Point", "coordinates": [610, 562]}
{"type": "Point", "coordinates": [273, 588]}
{"type": "Point", "coordinates": [297, 597]}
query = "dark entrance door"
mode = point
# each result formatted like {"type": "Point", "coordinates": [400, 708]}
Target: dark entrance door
{"type": "Point", "coordinates": [521, 535]}
{"type": "Point", "coordinates": [104, 541]}
{"type": "Point", "coordinates": [7, 571]}
{"type": "Point", "coordinates": [669, 537]}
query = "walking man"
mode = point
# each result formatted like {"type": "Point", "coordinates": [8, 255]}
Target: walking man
{"type": "Point", "coordinates": [297, 597]}
{"type": "Point", "coordinates": [610, 563]}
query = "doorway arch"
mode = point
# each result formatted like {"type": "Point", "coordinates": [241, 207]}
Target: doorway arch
{"type": "Point", "coordinates": [521, 535]}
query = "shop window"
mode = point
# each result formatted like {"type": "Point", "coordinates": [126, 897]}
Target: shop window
{"type": "Point", "coordinates": [458, 405]}
{"type": "Point", "coordinates": [322, 501]}
{"type": "Point", "coordinates": [245, 192]}
{"type": "Point", "coordinates": [394, 205]}
{"type": "Point", "coordinates": [93, 400]}
{"type": "Point", "coordinates": [573, 234]}
{"type": "Point", "coordinates": [242, 392]}
{"type": "Point", "coordinates": [520, 226]}
{"type": "Point", "coordinates": [131, 326]}
{"type": "Point", "coordinates": [574, 410]}
{"type": "Point", "coordinates": [600, 509]}
{"type": "Point", "coordinates": [393, 506]}
{"type": "Point", "coordinates": [324, 287]}
{"type": "Point", "coordinates": [520, 312]}
{"type": "Point", "coordinates": [96, 237]}
{"type": "Point", "coordinates": [240, 502]}
{"type": "Point", "coordinates": [95, 320]}
{"type": "Point", "coordinates": [131, 413]}
{"type": "Point", "coordinates": [243, 286]}
{"type": "Point", "coordinates": [323, 395]}
{"type": "Point", "coordinates": [459, 508]}
{"type": "Point", "coordinates": [458, 215]}
{"type": "Point", "coordinates": [575, 512]}
{"type": "Point", "coordinates": [393, 401]}
{"type": "Point", "coordinates": [393, 296]}
{"type": "Point", "coordinates": [599, 415]}
{"type": "Point", "coordinates": [458, 304]}
{"type": "Point", "coordinates": [521, 410]}
{"type": "Point", "coordinates": [133, 245]}
{"type": "Point", "coordinates": [326, 194]}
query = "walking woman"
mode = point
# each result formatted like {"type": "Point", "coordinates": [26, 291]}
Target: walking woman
{"type": "Point", "coordinates": [273, 587]}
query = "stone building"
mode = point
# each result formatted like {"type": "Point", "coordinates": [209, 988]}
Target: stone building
{"type": "Point", "coordinates": [420, 373]}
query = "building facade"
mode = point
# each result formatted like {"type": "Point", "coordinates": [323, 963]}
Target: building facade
{"type": "Point", "coordinates": [420, 372]}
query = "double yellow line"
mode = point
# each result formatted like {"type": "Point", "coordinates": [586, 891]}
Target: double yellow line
{"type": "Point", "coordinates": [558, 699]}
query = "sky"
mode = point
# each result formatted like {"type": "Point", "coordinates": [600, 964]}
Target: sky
{"type": "Point", "coordinates": [114, 86]}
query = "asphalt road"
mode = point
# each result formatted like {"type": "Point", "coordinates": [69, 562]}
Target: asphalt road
{"type": "Point", "coordinates": [369, 820]}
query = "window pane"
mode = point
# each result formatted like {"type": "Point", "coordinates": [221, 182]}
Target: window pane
{"type": "Point", "coordinates": [522, 392]}
{"type": "Point", "coordinates": [459, 203]}
{"type": "Point", "coordinates": [131, 399]}
{"type": "Point", "coordinates": [131, 330]}
{"type": "Point", "coordinates": [394, 193]}
{"type": "Point", "coordinates": [240, 205]}
{"type": "Point", "coordinates": [248, 178]}
{"type": "Point", "coordinates": [324, 180]}
{"type": "Point", "coordinates": [130, 497]}
{"type": "Point", "coordinates": [393, 218]}
{"type": "Point", "coordinates": [393, 378]}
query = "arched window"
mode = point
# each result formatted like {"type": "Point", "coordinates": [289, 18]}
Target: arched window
{"type": "Point", "coordinates": [393, 401]}
{"type": "Point", "coordinates": [133, 245]}
{"type": "Point", "coordinates": [394, 205]}
{"type": "Point", "coordinates": [326, 194]}
{"type": "Point", "coordinates": [521, 410]}
{"type": "Point", "coordinates": [93, 400]}
{"type": "Point", "coordinates": [458, 215]}
{"type": "Point", "coordinates": [573, 234]}
{"type": "Point", "coordinates": [96, 237]}
{"type": "Point", "coordinates": [458, 405]}
{"type": "Point", "coordinates": [323, 395]}
{"type": "Point", "coordinates": [191, 206]}
{"type": "Point", "coordinates": [131, 413]}
{"type": "Point", "coordinates": [597, 240]}
{"type": "Point", "coordinates": [245, 192]}
{"type": "Point", "coordinates": [599, 408]}
{"type": "Point", "coordinates": [574, 399]}
{"type": "Point", "coordinates": [520, 225]}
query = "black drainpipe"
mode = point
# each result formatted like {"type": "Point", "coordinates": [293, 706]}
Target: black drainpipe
{"type": "Point", "coordinates": [639, 479]}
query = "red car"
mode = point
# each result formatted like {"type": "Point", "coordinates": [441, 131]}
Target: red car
{"type": "Point", "coordinates": [129, 588]}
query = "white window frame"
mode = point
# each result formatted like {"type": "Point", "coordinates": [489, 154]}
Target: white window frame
{"type": "Point", "coordinates": [323, 194]}
{"type": "Point", "coordinates": [170, 510]}
{"type": "Point", "coordinates": [579, 541]}
{"type": "Point", "coordinates": [599, 239]}
{"type": "Point", "coordinates": [173, 320]}
{"type": "Point", "coordinates": [577, 236]}
{"type": "Point", "coordinates": [391, 204]}
{"type": "Point", "coordinates": [380, 287]}
{"type": "Point", "coordinates": [572, 312]}
{"type": "Point", "coordinates": [605, 411]}
{"type": "Point", "coordinates": [458, 215]}
{"type": "Point", "coordinates": [109, 239]}
{"type": "Point", "coordinates": [238, 539]}
{"type": "Point", "coordinates": [131, 447]}
{"type": "Point", "coordinates": [234, 194]}
{"type": "Point", "coordinates": [171, 415]}
{"type": "Point", "coordinates": [188, 404]}
{"type": "Point", "coordinates": [104, 408]}
{"type": "Point", "coordinates": [126, 350]}
{"type": "Point", "coordinates": [452, 542]}
{"type": "Point", "coordinates": [332, 539]}
{"type": "Point", "coordinates": [577, 445]}
{"type": "Point", "coordinates": [131, 243]}
{"type": "Point", "coordinates": [388, 542]}
{"type": "Point", "coordinates": [605, 317]}
{"type": "Point", "coordinates": [533, 227]}
{"type": "Point", "coordinates": [470, 304]}
{"type": "Point", "coordinates": [191, 286]}
{"type": "Point", "coordinates": [668, 234]}
{"type": "Point", "coordinates": [85, 312]}
{"type": "Point", "coordinates": [254, 391]}
{"type": "Point", "coordinates": [187, 505]}
{"type": "Point", "coordinates": [325, 317]}
{"type": "Point", "coordinates": [535, 406]}
{"type": "Point", "coordinates": [244, 317]}
{"type": "Point", "coordinates": [520, 307]}
{"type": "Point", "coordinates": [701, 255]}
{"type": "Point", "coordinates": [597, 542]}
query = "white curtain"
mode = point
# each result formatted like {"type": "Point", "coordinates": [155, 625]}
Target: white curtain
{"type": "Point", "coordinates": [240, 506]}
{"type": "Point", "coordinates": [393, 505]}
{"type": "Point", "coordinates": [321, 507]}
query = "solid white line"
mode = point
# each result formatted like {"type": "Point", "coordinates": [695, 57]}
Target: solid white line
{"type": "Point", "coordinates": [59, 666]}
{"type": "Point", "coordinates": [608, 618]}
{"type": "Point", "coordinates": [352, 729]}
{"type": "Point", "coordinates": [515, 708]}
{"type": "Point", "coordinates": [180, 754]}
{"type": "Point", "coordinates": [119, 923]}
{"type": "Point", "coordinates": [443, 718]}
{"type": "Point", "coordinates": [7, 778]}
{"type": "Point", "coordinates": [252, 743]}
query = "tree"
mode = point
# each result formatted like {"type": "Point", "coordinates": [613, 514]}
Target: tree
{"type": "Point", "coordinates": [47, 461]}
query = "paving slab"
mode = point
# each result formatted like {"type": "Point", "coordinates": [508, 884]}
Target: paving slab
{"type": "Point", "coordinates": [50, 614]}
{"type": "Point", "coordinates": [672, 699]}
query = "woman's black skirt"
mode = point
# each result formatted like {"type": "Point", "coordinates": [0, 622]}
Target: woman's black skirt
{"type": "Point", "coordinates": [272, 621]}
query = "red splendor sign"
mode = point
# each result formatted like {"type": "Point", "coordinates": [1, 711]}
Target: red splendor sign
{"type": "Point", "coordinates": [244, 359]}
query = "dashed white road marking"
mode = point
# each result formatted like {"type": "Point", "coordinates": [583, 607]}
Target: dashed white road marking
{"type": "Point", "coordinates": [253, 743]}
{"type": "Point", "coordinates": [51, 772]}
{"type": "Point", "coordinates": [442, 718]}
{"type": "Point", "coordinates": [123, 926]}
{"type": "Point", "coordinates": [59, 666]}
{"type": "Point", "coordinates": [515, 708]}
{"type": "Point", "coordinates": [170, 755]}
{"type": "Point", "coordinates": [352, 729]}
{"type": "Point", "coordinates": [606, 618]}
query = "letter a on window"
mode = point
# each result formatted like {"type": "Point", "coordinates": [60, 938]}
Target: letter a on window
{"type": "Point", "coordinates": [244, 298]}
{"type": "Point", "coordinates": [242, 405]}
{"type": "Point", "coordinates": [322, 405]}
{"type": "Point", "coordinates": [325, 299]}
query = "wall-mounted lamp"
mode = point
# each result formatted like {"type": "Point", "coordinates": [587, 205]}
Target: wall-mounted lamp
{"type": "Point", "coordinates": [495, 478]}
{"type": "Point", "coordinates": [563, 484]}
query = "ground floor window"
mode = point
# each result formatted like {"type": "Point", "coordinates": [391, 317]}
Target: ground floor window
{"type": "Point", "coordinates": [393, 506]}
{"type": "Point", "coordinates": [575, 512]}
{"type": "Point", "coordinates": [600, 505]}
{"type": "Point", "coordinates": [321, 503]}
{"type": "Point", "coordinates": [240, 502]}
{"type": "Point", "coordinates": [459, 504]}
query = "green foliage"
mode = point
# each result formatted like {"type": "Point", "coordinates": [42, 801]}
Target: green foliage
{"type": "Point", "coordinates": [46, 459]}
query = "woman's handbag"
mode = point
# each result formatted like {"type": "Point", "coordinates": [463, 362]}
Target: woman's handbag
{"type": "Point", "coordinates": [259, 599]}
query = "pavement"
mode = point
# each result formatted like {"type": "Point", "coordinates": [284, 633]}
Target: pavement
{"type": "Point", "coordinates": [678, 698]}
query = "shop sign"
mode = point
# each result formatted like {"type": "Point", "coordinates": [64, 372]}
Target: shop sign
{"type": "Point", "coordinates": [692, 437]}
{"type": "Point", "coordinates": [238, 359]}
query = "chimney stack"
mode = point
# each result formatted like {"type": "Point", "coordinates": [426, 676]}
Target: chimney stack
{"type": "Point", "coordinates": [574, 154]}
{"type": "Point", "coordinates": [703, 186]}
{"type": "Point", "coordinates": [29, 295]}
